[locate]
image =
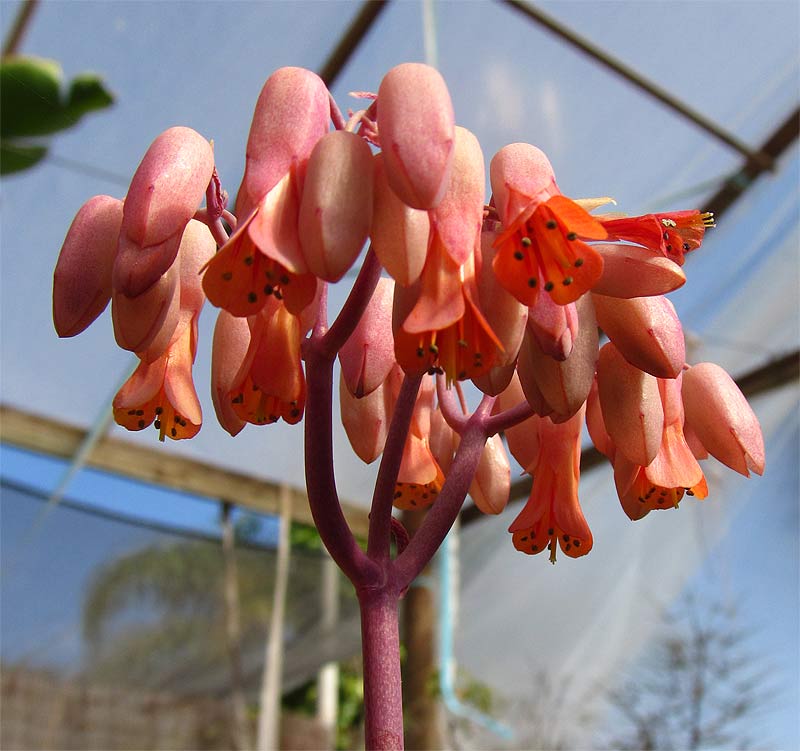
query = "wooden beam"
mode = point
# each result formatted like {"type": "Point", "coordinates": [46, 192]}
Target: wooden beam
{"type": "Point", "coordinates": [120, 457]}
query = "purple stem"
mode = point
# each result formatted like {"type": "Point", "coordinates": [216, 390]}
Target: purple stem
{"type": "Point", "coordinates": [451, 410]}
{"type": "Point", "coordinates": [353, 308]}
{"type": "Point", "coordinates": [320, 478]}
{"type": "Point", "coordinates": [379, 539]}
{"type": "Point", "coordinates": [383, 696]}
{"type": "Point", "coordinates": [443, 513]}
{"type": "Point", "coordinates": [509, 418]}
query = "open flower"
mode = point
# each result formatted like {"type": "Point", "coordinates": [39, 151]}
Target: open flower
{"type": "Point", "coordinates": [673, 234]}
{"type": "Point", "coordinates": [552, 516]}
{"type": "Point", "coordinates": [540, 246]}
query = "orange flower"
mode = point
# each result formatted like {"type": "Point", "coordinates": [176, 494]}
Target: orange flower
{"type": "Point", "coordinates": [552, 516]}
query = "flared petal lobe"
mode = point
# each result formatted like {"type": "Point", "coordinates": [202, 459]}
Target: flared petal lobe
{"type": "Point", "coordinates": [721, 418]}
{"type": "Point", "coordinates": [82, 277]}
{"type": "Point", "coordinates": [416, 124]}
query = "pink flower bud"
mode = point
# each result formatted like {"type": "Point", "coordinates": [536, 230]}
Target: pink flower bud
{"type": "Point", "coordinates": [491, 485]}
{"type": "Point", "coordinates": [719, 415]}
{"type": "Point", "coordinates": [366, 419]}
{"type": "Point", "coordinates": [228, 350]}
{"type": "Point", "coordinates": [631, 406]}
{"type": "Point", "coordinates": [443, 440]}
{"type": "Point", "coordinates": [416, 126]}
{"type": "Point", "coordinates": [646, 330]}
{"type": "Point", "coordinates": [336, 207]}
{"type": "Point", "coordinates": [459, 216]}
{"type": "Point", "coordinates": [82, 278]}
{"type": "Point", "coordinates": [367, 356]}
{"type": "Point", "coordinates": [291, 115]}
{"type": "Point", "coordinates": [630, 271]}
{"type": "Point", "coordinates": [154, 314]}
{"type": "Point", "coordinates": [564, 384]}
{"type": "Point", "coordinates": [163, 196]}
{"type": "Point", "coordinates": [399, 233]}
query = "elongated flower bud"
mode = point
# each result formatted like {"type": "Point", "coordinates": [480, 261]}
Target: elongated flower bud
{"type": "Point", "coordinates": [630, 271]}
{"type": "Point", "coordinates": [491, 485]}
{"type": "Point", "coordinates": [336, 207]}
{"type": "Point", "coordinates": [646, 330]}
{"type": "Point", "coordinates": [631, 406]}
{"type": "Point", "coordinates": [165, 192]}
{"type": "Point", "coordinates": [367, 356]}
{"type": "Point", "coordinates": [228, 350]}
{"type": "Point", "coordinates": [721, 418]}
{"type": "Point", "coordinates": [82, 278]}
{"type": "Point", "coordinates": [366, 419]}
{"type": "Point", "coordinates": [399, 233]}
{"type": "Point", "coordinates": [555, 327]}
{"type": "Point", "coordinates": [416, 125]}
{"type": "Point", "coordinates": [291, 115]}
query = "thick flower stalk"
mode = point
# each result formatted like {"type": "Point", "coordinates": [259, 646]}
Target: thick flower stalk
{"type": "Point", "coordinates": [504, 295]}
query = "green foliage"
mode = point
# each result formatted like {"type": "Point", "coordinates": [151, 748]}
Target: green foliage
{"type": "Point", "coordinates": [33, 104]}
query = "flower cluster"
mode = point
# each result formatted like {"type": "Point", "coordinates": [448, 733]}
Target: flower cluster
{"type": "Point", "coordinates": [508, 294]}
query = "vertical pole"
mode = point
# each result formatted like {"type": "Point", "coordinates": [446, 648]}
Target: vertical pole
{"type": "Point", "coordinates": [233, 631]}
{"type": "Point", "coordinates": [269, 716]}
{"type": "Point", "coordinates": [328, 677]}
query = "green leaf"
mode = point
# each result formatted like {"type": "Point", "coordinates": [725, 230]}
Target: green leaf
{"type": "Point", "coordinates": [15, 158]}
{"type": "Point", "coordinates": [31, 101]}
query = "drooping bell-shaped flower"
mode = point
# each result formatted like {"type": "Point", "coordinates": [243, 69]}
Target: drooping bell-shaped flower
{"type": "Point", "coordinates": [270, 383]}
{"type": "Point", "coordinates": [82, 277]}
{"type": "Point", "coordinates": [336, 206]}
{"type": "Point", "coordinates": [164, 195]}
{"type": "Point", "coordinates": [162, 392]}
{"type": "Point", "coordinates": [719, 415]}
{"type": "Point", "coordinates": [631, 271]}
{"type": "Point", "coordinates": [672, 234]}
{"type": "Point", "coordinates": [367, 356]}
{"type": "Point", "coordinates": [420, 478]}
{"type": "Point", "coordinates": [145, 324]}
{"type": "Point", "coordinates": [290, 117]}
{"type": "Point", "coordinates": [438, 321]}
{"type": "Point", "coordinates": [522, 438]}
{"type": "Point", "coordinates": [264, 256]}
{"type": "Point", "coordinates": [552, 517]}
{"type": "Point", "coordinates": [399, 233]}
{"type": "Point", "coordinates": [673, 472]}
{"type": "Point", "coordinates": [646, 330]}
{"type": "Point", "coordinates": [541, 245]}
{"type": "Point", "coordinates": [416, 128]}
{"type": "Point", "coordinates": [630, 401]}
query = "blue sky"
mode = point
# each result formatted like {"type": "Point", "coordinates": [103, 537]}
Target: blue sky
{"type": "Point", "coordinates": [203, 64]}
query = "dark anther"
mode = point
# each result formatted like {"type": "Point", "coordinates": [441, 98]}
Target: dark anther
{"type": "Point", "coordinates": [550, 531]}
{"type": "Point", "coordinates": [462, 343]}
{"type": "Point", "coordinates": [519, 255]}
{"type": "Point", "coordinates": [433, 349]}
{"type": "Point", "coordinates": [248, 260]}
{"type": "Point", "coordinates": [420, 352]}
{"type": "Point", "coordinates": [173, 432]}
{"type": "Point", "coordinates": [177, 418]}
{"type": "Point", "coordinates": [565, 538]}
{"type": "Point", "coordinates": [278, 295]}
{"type": "Point", "coordinates": [252, 297]}
{"type": "Point", "coordinates": [578, 263]}
{"type": "Point", "coordinates": [686, 246]}
{"type": "Point", "coordinates": [157, 424]}
{"type": "Point", "coordinates": [131, 412]}
{"type": "Point", "coordinates": [534, 548]}
{"type": "Point", "coordinates": [227, 276]}
{"type": "Point", "coordinates": [549, 286]}
{"type": "Point", "coordinates": [666, 235]}
{"type": "Point", "coordinates": [462, 375]}
{"type": "Point", "coordinates": [526, 242]}
{"type": "Point", "coordinates": [669, 248]}
{"type": "Point", "coordinates": [284, 279]}
{"type": "Point", "coordinates": [572, 236]}
{"type": "Point", "coordinates": [269, 289]}
{"type": "Point", "coordinates": [576, 543]}
{"type": "Point", "coordinates": [159, 410]}
{"type": "Point", "coordinates": [567, 281]}
{"type": "Point", "coordinates": [141, 423]}
{"type": "Point", "coordinates": [398, 494]}
{"type": "Point", "coordinates": [551, 224]}
{"type": "Point", "coordinates": [139, 412]}
{"type": "Point", "coordinates": [532, 282]}
{"type": "Point", "coordinates": [295, 412]}
{"type": "Point", "coordinates": [523, 539]}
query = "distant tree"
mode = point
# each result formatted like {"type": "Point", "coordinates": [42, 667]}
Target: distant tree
{"type": "Point", "coordinates": [701, 687]}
